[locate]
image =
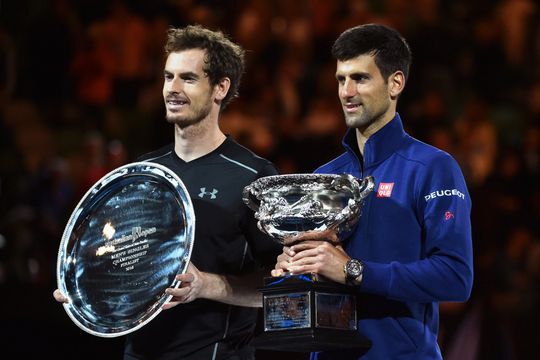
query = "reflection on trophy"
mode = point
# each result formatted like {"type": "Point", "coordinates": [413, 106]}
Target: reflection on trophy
{"type": "Point", "coordinates": [307, 312]}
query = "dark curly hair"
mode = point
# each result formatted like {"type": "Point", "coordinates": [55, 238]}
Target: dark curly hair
{"type": "Point", "coordinates": [223, 59]}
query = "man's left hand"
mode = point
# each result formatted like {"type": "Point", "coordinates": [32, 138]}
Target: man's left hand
{"type": "Point", "coordinates": [191, 287]}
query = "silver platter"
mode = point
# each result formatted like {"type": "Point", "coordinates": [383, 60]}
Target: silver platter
{"type": "Point", "coordinates": [125, 242]}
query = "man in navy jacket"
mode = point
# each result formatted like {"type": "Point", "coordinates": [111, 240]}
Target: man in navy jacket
{"type": "Point", "coordinates": [412, 247]}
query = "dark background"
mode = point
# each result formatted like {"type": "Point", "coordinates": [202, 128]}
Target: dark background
{"type": "Point", "coordinates": [80, 94]}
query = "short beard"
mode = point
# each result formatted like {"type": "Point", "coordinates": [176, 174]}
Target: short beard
{"type": "Point", "coordinates": [359, 121]}
{"type": "Point", "coordinates": [182, 122]}
{"type": "Point", "coordinates": [185, 122]}
{"type": "Point", "coordinates": [363, 120]}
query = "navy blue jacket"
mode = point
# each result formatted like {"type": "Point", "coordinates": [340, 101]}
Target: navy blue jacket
{"type": "Point", "coordinates": [414, 237]}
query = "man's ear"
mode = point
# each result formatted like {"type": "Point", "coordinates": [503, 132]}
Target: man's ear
{"type": "Point", "coordinates": [222, 88]}
{"type": "Point", "coordinates": [396, 84]}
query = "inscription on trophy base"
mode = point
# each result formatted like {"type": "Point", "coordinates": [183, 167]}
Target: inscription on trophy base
{"type": "Point", "coordinates": [290, 311]}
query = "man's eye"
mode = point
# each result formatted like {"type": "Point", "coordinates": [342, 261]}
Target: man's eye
{"type": "Point", "coordinates": [359, 78]}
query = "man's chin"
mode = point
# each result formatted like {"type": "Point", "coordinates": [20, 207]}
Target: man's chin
{"type": "Point", "coordinates": [172, 119]}
{"type": "Point", "coordinates": [356, 121]}
{"type": "Point", "coordinates": [175, 119]}
{"type": "Point", "coordinates": [351, 121]}
{"type": "Point", "coordinates": [181, 122]}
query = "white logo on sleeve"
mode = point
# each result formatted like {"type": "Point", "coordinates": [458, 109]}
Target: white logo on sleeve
{"type": "Point", "coordinates": [447, 192]}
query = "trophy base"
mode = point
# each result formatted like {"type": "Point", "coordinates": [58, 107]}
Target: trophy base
{"type": "Point", "coordinates": [307, 313]}
{"type": "Point", "coordinates": [311, 340]}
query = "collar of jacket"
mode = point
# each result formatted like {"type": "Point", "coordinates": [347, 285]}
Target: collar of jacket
{"type": "Point", "coordinates": [380, 145]}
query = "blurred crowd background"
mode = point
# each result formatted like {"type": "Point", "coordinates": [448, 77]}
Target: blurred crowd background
{"type": "Point", "coordinates": [80, 94]}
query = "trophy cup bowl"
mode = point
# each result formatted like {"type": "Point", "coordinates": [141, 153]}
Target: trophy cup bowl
{"type": "Point", "coordinates": [305, 312]}
{"type": "Point", "coordinates": [123, 245]}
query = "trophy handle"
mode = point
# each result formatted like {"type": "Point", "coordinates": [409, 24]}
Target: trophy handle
{"type": "Point", "coordinates": [249, 197]}
{"type": "Point", "coordinates": [366, 186]}
{"type": "Point", "coordinates": [360, 189]}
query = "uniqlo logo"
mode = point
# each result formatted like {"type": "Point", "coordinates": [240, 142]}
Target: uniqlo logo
{"type": "Point", "coordinates": [385, 189]}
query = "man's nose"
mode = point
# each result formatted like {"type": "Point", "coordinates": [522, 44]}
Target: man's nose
{"type": "Point", "coordinates": [348, 89]}
{"type": "Point", "coordinates": [174, 86]}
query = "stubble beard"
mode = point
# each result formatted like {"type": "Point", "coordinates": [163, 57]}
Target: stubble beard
{"type": "Point", "coordinates": [359, 120]}
{"type": "Point", "coordinates": [185, 121]}
{"type": "Point", "coordinates": [364, 117]}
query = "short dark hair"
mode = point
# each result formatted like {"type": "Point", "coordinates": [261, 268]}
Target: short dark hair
{"type": "Point", "coordinates": [390, 49]}
{"type": "Point", "coordinates": [224, 58]}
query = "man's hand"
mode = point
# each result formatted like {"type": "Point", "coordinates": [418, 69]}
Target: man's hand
{"type": "Point", "coordinates": [319, 257]}
{"type": "Point", "coordinates": [191, 288]}
{"type": "Point", "coordinates": [283, 262]}
{"type": "Point", "coordinates": [318, 252]}
{"type": "Point", "coordinates": [58, 296]}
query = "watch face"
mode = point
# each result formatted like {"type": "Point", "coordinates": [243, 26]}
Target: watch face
{"type": "Point", "coordinates": [354, 268]}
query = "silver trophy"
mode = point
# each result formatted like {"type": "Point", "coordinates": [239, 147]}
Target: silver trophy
{"type": "Point", "coordinates": [307, 312]}
{"type": "Point", "coordinates": [123, 245]}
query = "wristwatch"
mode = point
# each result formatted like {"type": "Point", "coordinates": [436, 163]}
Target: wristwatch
{"type": "Point", "coordinates": [353, 269]}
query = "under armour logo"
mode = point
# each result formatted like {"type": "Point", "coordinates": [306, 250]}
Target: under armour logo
{"type": "Point", "coordinates": [212, 194]}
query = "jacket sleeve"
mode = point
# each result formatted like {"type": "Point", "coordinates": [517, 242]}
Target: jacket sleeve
{"type": "Point", "coordinates": [444, 271]}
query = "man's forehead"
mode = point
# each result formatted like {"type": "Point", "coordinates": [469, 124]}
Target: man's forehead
{"type": "Point", "coordinates": [362, 63]}
{"type": "Point", "coordinates": [186, 60]}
